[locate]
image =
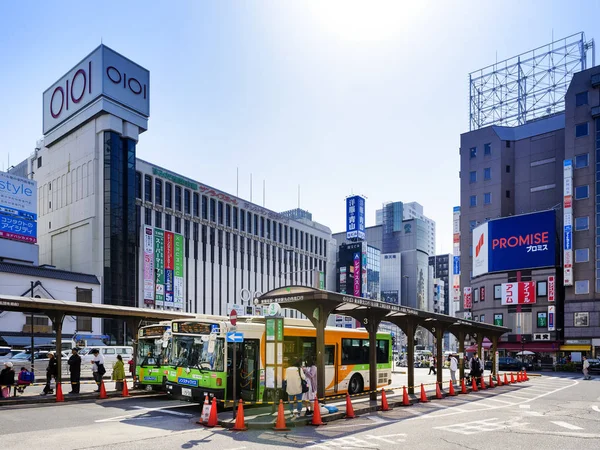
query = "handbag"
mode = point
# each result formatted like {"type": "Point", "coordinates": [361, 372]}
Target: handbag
{"type": "Point", "coordinates": [303, 382]}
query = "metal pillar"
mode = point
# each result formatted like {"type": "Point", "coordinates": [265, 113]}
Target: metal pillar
{"type": "Point", "coordinates": [461, 351]}
{"type": "Point", "coordinates": [319, 324]}
{"type": "Point", "coordinates": [479, 345]}
{"type": "Point", "coordinates": [410, 354]}
{"type": "Point", "coordinates": [494, 355]}
{"type": "Point", "coordinates": [371, 325]}
{"type": "Point", "coordinates": [57, 322]}
{"type": "Point", "coordinates": [439, 340]}
{"type": "Point", "coordinates": [133, 325]}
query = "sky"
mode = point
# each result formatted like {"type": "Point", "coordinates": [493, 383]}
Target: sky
{"type": "Point", "coordinates": [337, 97]}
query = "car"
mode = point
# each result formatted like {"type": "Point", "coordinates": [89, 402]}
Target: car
{"type": "Point", "coordinates": [509, 363]}
{"type": "Point", "coordinates": [594, 364]}
{"type": "Point", "coordinates": [41, 358]}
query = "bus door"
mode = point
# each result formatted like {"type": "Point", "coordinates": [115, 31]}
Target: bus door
{"type": "Point", "coordinates": [248, 381]}
{"type": "Point", "coordinates": [330, 370]}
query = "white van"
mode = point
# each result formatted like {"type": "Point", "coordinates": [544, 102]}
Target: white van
{"type": "Point", "coordinates": [109, 353]}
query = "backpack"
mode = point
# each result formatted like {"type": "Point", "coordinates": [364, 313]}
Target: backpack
{"type": "Point", "coordinates": [27, 377]}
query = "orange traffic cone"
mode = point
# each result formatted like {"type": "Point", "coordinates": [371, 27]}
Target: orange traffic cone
{"type": "Point", "coordinates": [125, 392]}
{"type": "Point", "coordinates": [474, 385]}
{"type": "Point", "coordinates": [212, 418]}
{"type": "Point", "coordinates": [525, 375]}
{"type": "Point", "coordinates": [384, 403]}
{"type": "Point", "coordinates": [405, 400]}
{"type": "Point", "coordinates": [451, 389]}
{"type": "Point", "coordinates": [316, 418]}
{"type": "Point", "coordinates": [519, 379]}
{"type": "Point", "coordinates": [280, 423]}
{"type": "Point", "coordinates": [240, 425]}
{"type": "Point", "coordinates": [423, 395]}
{"type": "Point", "coordinates": [59, 395]}
{"type": "Point", "coordinates": [463, 387]}
{"type": "Point", "coordinates": [512, 378]}
{"type": "Point", "coordinates": [506, 382]}
{"type": "Point", "coordinates": [349, 409]}
{"type": "Point", "coordinates": [491, 383]}
{"type": "Point", "coordinates": [102, 390]}
{"type": "Point", "coordinates": [482, 383]}
{"type": "Point", "coordinates": [438, 392]}
{"type": "Point", "coordinates": [205, 412]}
{"type": "Point", "coordinates": [499, 380]}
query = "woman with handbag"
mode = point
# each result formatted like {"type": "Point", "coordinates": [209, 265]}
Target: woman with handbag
{"type": "Point", "coordinates": [98, 369]}
{"type": "Point", "coordinates": [310, 371]}
{"type": "Point", "coordinates": [293, 386]}
{"type": "Point", "coordinates": [51, 374]}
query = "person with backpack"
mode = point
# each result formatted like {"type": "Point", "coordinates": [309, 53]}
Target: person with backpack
{"type": "Point", "coordinates": [98, 369]}
{"type": "Point", "coordinates": [24, 379]}
{"type": "Point", "coordinates": [476, 368]}
{"type": "Point", "coordinates": [75, 370]}
{"type": "Point", "coordinates": [51, 374]}
{"type": "Point", "coordinates": [293, 386]}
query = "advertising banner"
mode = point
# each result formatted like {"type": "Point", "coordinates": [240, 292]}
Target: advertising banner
{"type": "Point", "coordinates": [148, 265]}
{"type": "Point", "coordinates": [18, 196]}
{"type": "Point", "coordinates": [456, 254]}
{"type": "Point", "coordinates": [498, 320]}
{"type": "Point", "coordinates": [515, 243]}
{"type": "Point", "coordinates": [357, 275]}
{"type": "Point", "coordinates": [169, 268]}
{"type": "Point", "coordinates": [482, 294]}
{"type": "Point", "coordinates": [468, 298]}
{"type": "Point", "coordinates": [178, 271]}
{"type": "Point", "coordinates": [521, 293]}
{"type": "Point", "coordinates": [159, 265]}
{"type": "Point", "coordinates": [18, 229]}
{"type": "Point", "coordinates": [568, 222]}
{"type": "Point", "coordinates": [365, 285]}
{"type": "Point", "coordinates": [551, 289]}
{"type": "Point", "coordinates": [551, 318]}
{"type": "Point", "coordinates": [355, 217]}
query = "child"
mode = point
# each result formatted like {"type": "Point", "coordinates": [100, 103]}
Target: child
{"type": "Point", "coordinates": [24, 379]}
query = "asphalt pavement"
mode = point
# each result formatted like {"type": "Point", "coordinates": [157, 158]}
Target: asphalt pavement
{"type": "Point", "coordinates": [548, 412]}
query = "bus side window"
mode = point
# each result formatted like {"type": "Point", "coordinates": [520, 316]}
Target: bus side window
{"type": "Point", "coordinates": [329, 355]}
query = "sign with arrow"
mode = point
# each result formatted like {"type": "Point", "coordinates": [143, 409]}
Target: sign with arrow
{"type": "Point", "coordinates": [235, 336]}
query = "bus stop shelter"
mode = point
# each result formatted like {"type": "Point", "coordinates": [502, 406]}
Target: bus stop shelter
{"type": "Point", "coordinates": [317, 305]}
{"type": "Point", "coordinates": [57, 310]}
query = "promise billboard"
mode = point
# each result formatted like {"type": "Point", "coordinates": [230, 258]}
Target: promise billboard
{"type": "Point", "coordinates": [520, 242]}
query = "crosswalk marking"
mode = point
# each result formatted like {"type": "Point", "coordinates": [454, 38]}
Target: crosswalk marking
{"type": "Point", "coordinates": [566, 425]}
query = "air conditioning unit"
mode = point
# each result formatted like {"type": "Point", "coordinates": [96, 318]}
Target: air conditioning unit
{"type": "Point", "coordinates": [541, 336]}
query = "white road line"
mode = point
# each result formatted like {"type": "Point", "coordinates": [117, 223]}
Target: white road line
{"type": "Point", "coordinates": [595, 408]}
{"type": "Point", "coordinates": [566, 425]}
{"type": "Point", "coordinates": [496, 400]}
{"type": "Point", "coordinates": [524, 406]}
{"type": "Point", "coordinates": [163, 410]}
{"type": "Point", "coordinates": [515, 396]}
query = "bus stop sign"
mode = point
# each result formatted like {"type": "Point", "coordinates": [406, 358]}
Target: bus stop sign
{"type": "Point", "coordinates": [233, 317]}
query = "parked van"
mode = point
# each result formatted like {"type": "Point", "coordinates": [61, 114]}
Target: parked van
{"type": "Point", "coordinates": [109, 353]}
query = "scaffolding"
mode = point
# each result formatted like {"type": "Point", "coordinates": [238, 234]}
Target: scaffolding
{"type": "Point", "coordinates": [528, 86]}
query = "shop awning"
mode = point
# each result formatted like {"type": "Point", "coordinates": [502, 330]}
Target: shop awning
{"type": "Point", "coordinates": [575, 348]}
{"type": "Point", "coordinates": [22, 341]}
{"type": "Point", "coordinates": [538, 347]}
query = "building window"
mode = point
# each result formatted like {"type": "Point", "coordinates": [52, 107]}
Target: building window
{"type": "Point", "coordinates": [168, 195]}
{"type": "Point", "coordinates": [235, 217]}
{"type": "Point", "coordinates": [473, 176]}
{"type": "Point", "coordinates": [178, 225]}
{"type": "Point", "coordinates": [582, 287]}
{"type": "Point", "coordinates": [220, 214]}
{"type": "Point", "coordinates": [213, 210]}
{"type": "Point", "coordinates": [542, 288]}
{"type": "Point", "coordinates": [177, 198]}
{"type": "Point", "coordinates": [581, 99]}
{"type": "Point", "coordinates": [249, 223]}
{"type": "Point", "coordinates": [147, 216]}
{"type": "Point", "coordinates": [39, 162]}
{"type": "Point", "coordinates": [138, 182]}
{"type": "Point", "coordinates": [473, 152]}
{"type": "Point", "coordinates": [581, 319]}
{"type": "Point", "coordinates": [476, 295]}
{"type": "Point", "coordinates": [582, 223]}
{"type": "Point", "coordinates": [507, 194]}
{"type": "Point", "coordinates": [205, 207]}
{"type": "Point", "coordinates": [158, 191]}
{"type": "Point", "coordinates": [196, 204]}
{"type": "Point", "coordinates": [472, 225]}
{"type": "Point", "coordinates": [482, 318]}
{"type": "Point", "coordinates": [487, 149]}
{"type": "Point", "coordinates": [242, 220]}
{"type": "Point", "coordinates": [227, 215]}
{"type": "Point", "coordinates": [581, 129]}
{"type": "Point", "coordinates": [186, 201]}
{"type": "Point", "coordinates": [497, 292]}
{"type": "Point", "coordinates": [507, 169]}
{"type": "Point", "coordinates": [256, 224]}
{"type": "Point", "coordinates": [473, 201]}
{"type": "Point", "coordinates": [582, 255]}
{"type": "Point", "coordinates": [582, 192]}
{"type": "Point", "coordinates": [83, 296]}
{"type": "Point", "coordinates": [157, 219]}
{"type": "Point", "coordinates": [507, 144]}
{"type": "Point", "coordinates": [168, 222]}
{"type": "Point", "coordinates": [147, 188]}
{"type": "Point", "coordinates": [582, 160]}
{"type": "Point", "coordinates": [487, 173]}
{"type": "Point", "coordinates": [487, 198]}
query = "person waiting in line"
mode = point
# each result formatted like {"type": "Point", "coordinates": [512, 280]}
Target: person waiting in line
{"type": "Point", "coordinates": [310, 372]}
{"type": "Point", "coordinates": [75, 370]}
{"type": "Point", "coordinates": [118, 374]}
{"type": "Point", "coordinates": [586, 369]}
{"type": "Point", "coordinates": [476, 371]}
{"type": "Point", "coordinates": [98, 369]}
{"type": "Point", "coordinates": [453, 368]}
{"type": "Point", "coordinates": [7, 379]}
{"type": "Point", "coordinates": [51, 373]}
{"type": "Point", "coordinates": [293, 386]}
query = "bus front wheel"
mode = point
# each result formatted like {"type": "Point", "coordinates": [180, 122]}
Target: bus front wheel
{"type": "Point", "coordinates": [356, 385]}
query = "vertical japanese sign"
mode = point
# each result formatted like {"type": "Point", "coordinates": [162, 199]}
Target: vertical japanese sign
{"type": "Point", "coordinates": [551, 318]}
{"type": "Point", "coordinates": [159, 266]}
{"type": "Point", "coordinates": [551, 289]}
{"type": "Point", "coordinates": [568, 222]}
{"type": "Point", "coordinates": [365, 284]}
{"type": "Point", "coordinates": [482, 294]}
{"type": "Point", "coordinates": [468, 298]}
{"type": "Point", "coordinates": [178, 271]}
{"type": "Point", "coordinates": [169, 268]}
{"type": "Point", "coordinates": [355, 217]}
{"type": "Point", "coordinates": [357, 275]}
{"type": "Point", "coordinates": [456, 254]}
{"type": "Point", "coordinates": [148, 265]}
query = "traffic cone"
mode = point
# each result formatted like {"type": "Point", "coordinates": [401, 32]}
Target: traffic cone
{"type": "Point", "coordinates": [205, 412]}
{"type": "Point", "coordinates": [384, 403]}
{"type": "Point", "coordinates": [463, 387]}
{"type": "Point", "coordinates": [525, 375]}
{"type": "Point", "coordinates": [240, 425]}
{"type": "Point", "coordinates": [512, 378]}
{"type": "Point", "coordinates": [474, 385]}
{"type": "Point", "coordinates": [423, 395]}
{"type": "Point", "coordinates": [506, 382]}
{"type": "Point", "coordinates": [59, 395]}
{"type": "Point", "coordinates": [519, 379]}
{"type": "Point", "coordinates": [491, 383]}
{"type": "Point", "coordinates": [102, 390]}
{"type": "Point", "coordinates": [280, 423]}
{"type": "Point", "coordinates": [405, 400]}
{"type": "Point", "coordinates": [438, 392]}
{"type": "Point", "coordinates": [349, 409]}
{"type": "Point", "coordinates": [125, 392]}
{"type": "Point", "coordinates": [212, 418]}
{"type": "Point", "coordinates": [451, 389]}
{"type": "Point", "coordinates": [482, 383]}
{"type": "Point", "coordinates": [499, 380]}
{"type": "Point", "coordinates": [316, 418]}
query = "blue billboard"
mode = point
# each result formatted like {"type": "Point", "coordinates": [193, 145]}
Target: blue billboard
{"type": "Point", "coordinates": [355, 218]}
{"type": "Point", "coordinates": [18, 228]}
{"type": "Point", "coordinates": [520, 242]}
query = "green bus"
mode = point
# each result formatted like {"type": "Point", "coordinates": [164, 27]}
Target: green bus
{"type": "Point", "coordinates": [152, 358]}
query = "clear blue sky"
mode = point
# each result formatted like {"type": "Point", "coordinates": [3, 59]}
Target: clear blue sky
{"type": "Point", "coordinates": [364, 99]}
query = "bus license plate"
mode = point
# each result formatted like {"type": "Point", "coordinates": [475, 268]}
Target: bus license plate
{"type": "Point", "coordinates": [186, 391]}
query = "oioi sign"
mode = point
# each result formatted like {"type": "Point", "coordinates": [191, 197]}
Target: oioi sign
{"type": "Point", "coordinates": [105, 73]}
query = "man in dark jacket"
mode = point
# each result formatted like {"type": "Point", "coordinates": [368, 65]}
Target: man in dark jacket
{"type": "Point", "coordinates": [75, 370]}
{"type": "Point", "coordinates": [51, 372]}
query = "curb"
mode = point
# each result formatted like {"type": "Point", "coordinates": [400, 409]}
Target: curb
{"type": "Point", "coordinates": [73, 398]}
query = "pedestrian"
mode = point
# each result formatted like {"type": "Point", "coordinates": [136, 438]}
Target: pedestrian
{"type": "Point", "coordinates": [75, 370]}
{"type": "Point", "coordinates": [453, 368]}
{"type": "Point", "coordinates": [98, 369]}
{"type": "Point", "coordinates": [586, 369]}
{"type": "Point", "coordinates": [7, 379]}
{"type": "Point", "coordinates": [310, 372]}
{"type": "Point", "coordinates": [293, 386]}
{"type": "Point", "coordinates": [476, 368]}
{"type": "Point", "coordinates": [432, 365]}
{"type": "Point", "coordinates": [132, 368]}
{"type": "Point", "coordinates": [51, 374]}
{"type": "Point", "coordinates": [118, 374]}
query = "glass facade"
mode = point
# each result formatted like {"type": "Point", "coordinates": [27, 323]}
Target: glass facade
{"type": "Point", "coordinates": [120, 227]}
{"type": "Point", "coordinates": [373, 272]}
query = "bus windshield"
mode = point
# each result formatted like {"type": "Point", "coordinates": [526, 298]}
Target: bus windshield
{"type": "Point", "coordinates": [193, 352]}
{"type": "Point", "coordinates": [150, 352]}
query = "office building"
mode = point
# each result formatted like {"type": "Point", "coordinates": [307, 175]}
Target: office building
{"type": "Point", "coordinates": [412, 210]}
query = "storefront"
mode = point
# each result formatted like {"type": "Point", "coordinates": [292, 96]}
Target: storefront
{"type": "Point", "coordinates": [574, 349]}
